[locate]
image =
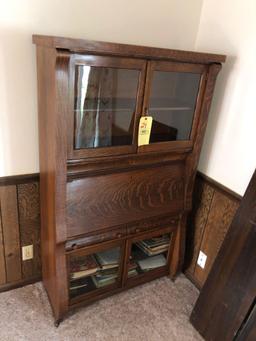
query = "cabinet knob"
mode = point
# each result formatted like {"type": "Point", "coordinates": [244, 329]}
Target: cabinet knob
{"type": "Point", "coordinates": [119, 235]}
{"type": "Point", "coordinates": [137, 230]}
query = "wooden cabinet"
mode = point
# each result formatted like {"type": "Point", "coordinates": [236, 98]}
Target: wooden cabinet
{"type": "Point", "coordinates": [103, 196]}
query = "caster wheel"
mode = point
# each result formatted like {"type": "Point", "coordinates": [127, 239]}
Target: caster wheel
{"type": "Point", "coordinates": [57, 323]}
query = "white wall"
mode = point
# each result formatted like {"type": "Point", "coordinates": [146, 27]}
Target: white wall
{"type": "Point", "coordinates": [162, 23]}
{"type": "Point", "coordinates": [229, 151]}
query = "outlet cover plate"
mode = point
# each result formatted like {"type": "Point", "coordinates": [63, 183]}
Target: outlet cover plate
{"type": "Point", "coordinates": [201, 259]}
{"type": "Point", "coordinates": [27, 252]}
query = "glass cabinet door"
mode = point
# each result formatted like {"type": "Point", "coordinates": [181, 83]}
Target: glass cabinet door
{"type": "Point", "coordinates": [149, 254]}
{"type": "Point", "coordinates": [171, 99]}
{"type": "Point", "coordinates": [106, 104]}
{"type": "Point", "coordinates": [94, 270]}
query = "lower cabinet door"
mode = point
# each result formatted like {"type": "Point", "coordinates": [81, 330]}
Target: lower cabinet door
{"type": "Point", "coordinates": [94, 270]}
{"type": "Point", "coordinates": [148, 256]}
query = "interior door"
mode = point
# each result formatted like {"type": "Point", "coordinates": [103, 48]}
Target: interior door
{"type": "Point", "coordinates": [173, 96]}
{"type": "Point", "coordinates": [106, 103]}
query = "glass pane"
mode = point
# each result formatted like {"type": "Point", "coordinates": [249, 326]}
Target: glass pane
{"type": "Point", "coordinates": [105, 102]}
{"type": "Point", "coordinates": [148, 254]}
{"type": "Point", "coordinates": [172, 105]}
{"type": "Point", "coordinates": [94, 271]}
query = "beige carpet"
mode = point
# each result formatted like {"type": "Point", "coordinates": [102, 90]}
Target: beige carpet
{"type": "Point", "coordinates": [158, 310]}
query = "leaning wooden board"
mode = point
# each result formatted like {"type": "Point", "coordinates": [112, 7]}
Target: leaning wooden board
{"type": "Point", "coordinates": [230, 289]}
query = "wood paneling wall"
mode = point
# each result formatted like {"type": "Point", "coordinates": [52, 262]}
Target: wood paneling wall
{"type": "Point", "coordinates": [214, 207]}
{"type": "Point", "coordinates": [225, 307]}
{"type": "Point", "coordinates": [19, 226]}
{"type": "Point", "coordinates": [213, 210]}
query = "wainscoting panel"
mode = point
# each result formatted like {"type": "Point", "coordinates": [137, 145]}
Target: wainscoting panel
{"type": "Point", "coordinates": [213, 211]}
{"type": "Point", "coordinates": [19, 226]}
{"type": "Point", "coordinates": [214, 207]}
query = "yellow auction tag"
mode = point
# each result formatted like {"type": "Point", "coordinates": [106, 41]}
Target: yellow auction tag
{"type": "Point", "coordinates": [144, 130]}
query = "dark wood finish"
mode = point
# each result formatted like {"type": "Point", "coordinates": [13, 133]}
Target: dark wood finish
{"type": "Point", "coordinates": [205, 189]}
{"type": "Point", "coordinates": [19, 179]}
{"type": "Point", "coordinates": [230, 289]}
{"type": "Point", "coordinates": [100, 196]}
{"type": "Point", "coordinates": [19, 226]}
{"type": "Point", "coordinates": [98, 47]}
{"type": "Point", "coordinates": [115, 164]}
{"type": "Point", "coordinates": [118, 233]}
{"type": "Point", "coordinates": [2, 256]}
{"type": "Point", "coordinates": [125, 197]}
{"type": "Point", "coordinates": [10, 225]}
{"type": "Point", "coordinates": [113, 62]}
{"type": "Point", "coordinates": [93, 249]}
{"type": "Point", "coordinates": [248, 329]}
{"type": "Point", "coordinates": [193, 158]}
{"type": "Point", "coordinates": [174, 67]}
{"type": "Point", "coordinates": [219, 187]}
{"type": "Point", "coordinates": [213, 210]}
{"type": "Point", "coordinates": [52, 88]}
{"type": "Point", "coordinates": [29, 221]}
{"type": "Point", "coordinates": [165, 269]}
{"type": "Point", "coordinates": [218, 221]}
{"type": "Point", "coordinates": [203, 194]}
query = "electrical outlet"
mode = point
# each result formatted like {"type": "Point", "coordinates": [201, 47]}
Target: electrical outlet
{"type": "Point", "coordinates": [27, 252]}
{"type": "Point", "coordinates": [201, 259]}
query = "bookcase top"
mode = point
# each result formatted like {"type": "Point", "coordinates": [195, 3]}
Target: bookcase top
{"type": "Point", "coordinates": [136, 51]}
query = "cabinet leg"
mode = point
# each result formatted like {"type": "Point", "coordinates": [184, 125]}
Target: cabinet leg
{"type": "Point", "coordinates": [57, 322]}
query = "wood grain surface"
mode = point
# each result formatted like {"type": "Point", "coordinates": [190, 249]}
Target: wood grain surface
{"type": "Point", "coordinates": [10, 226]}
{"type": "Point", "coordinates": [197, 220]}
{"type": "Point", "coordinates": [213, 210]}
{"type": "Point", "coordinates": [124, 197]}
{"type": "Point", "coordinates": [29, 220]}
{"type": "Point", "coordinates": [230, 289]}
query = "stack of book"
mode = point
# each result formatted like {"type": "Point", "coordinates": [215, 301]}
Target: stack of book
{"type": "Point", "coordinates": [80, 268]}
{"type": "Point", "coordinates": [108, 261]}
{"type": "Point", "coordinates": [93, 271]}
{"type": "Point", "coordinates": [154, 246]}
{"type": "Point", "coordinates": [132, 268]}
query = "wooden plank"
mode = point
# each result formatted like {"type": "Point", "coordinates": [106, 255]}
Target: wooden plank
{"type": "Point", "coordinates": [83, 45]}
{"type": "Point", "coordinates": [18, 179]}
{"type": "Point", "coordinates": [230, 289]}
{"type": "Point", "coordinates": [220, 216]}
{"type": "Point", "coordinates": [10, 223]}
{"type": "Point", "coordinates": [2, 259]}
{"type": "Point", "coordinates": [248, 330]}
{"type": "Point", "coordinates": [197, 220]}
{"type": "Point", "coordinates": [29, 215]}
{"type": "Point", "coordinates": [125, 197]}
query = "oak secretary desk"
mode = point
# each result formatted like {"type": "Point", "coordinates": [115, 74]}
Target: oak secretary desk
{"type": "Point", "coordinates": [113, 213]}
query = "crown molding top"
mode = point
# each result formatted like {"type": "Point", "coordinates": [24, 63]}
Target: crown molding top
{"type": "Point", "coordinates": [90, 46]}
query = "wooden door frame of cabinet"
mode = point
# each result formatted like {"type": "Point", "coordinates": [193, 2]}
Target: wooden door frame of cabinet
{"type": "Point", "coordinates": [144, 235]}
{"type": "Point", "coordinates": [52, 79]}
{"type": "Point", "coordinates": [88, 250]}
{"type": "Point", "coordinates": [193, 157]}
{"type": "Point", "coordinates": [169, 66]}
{"type": "Point", "coordinates": [112, 62]}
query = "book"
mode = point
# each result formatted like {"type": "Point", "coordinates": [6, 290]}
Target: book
{"type": "Point", "coordinates": [108, 258]}
{"type": "Point", "coordinates": [81, 286]}
{"type": "Point", "coordinates": [103, 281]}
{"type": "Point", "coordinates": [154, 246]}
{"type": "Point", "coordinates": [132, 272]}
{"type": "Point", "coordinates": [151, 263]}
{"type": "Point", "coordinates": [78, 286]}
{"type": "Point", "coordinates": [152, 251]}
{"type": "Point", "coordinates": [82, 266]}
